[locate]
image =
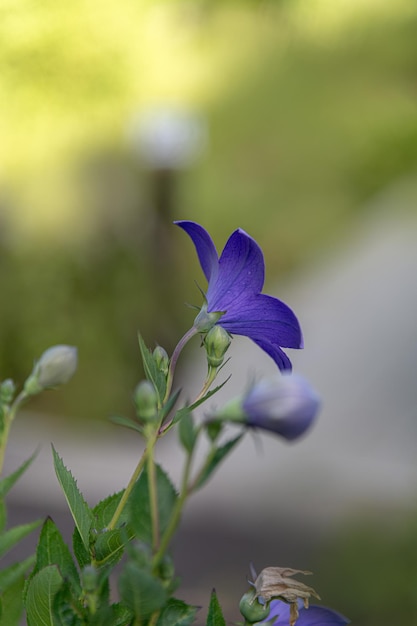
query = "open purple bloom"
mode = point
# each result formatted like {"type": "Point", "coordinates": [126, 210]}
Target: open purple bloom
{"type": "Point", "coordinates": [235, 281]}
{"type": "Point", "coordinates": [286, 405]}
{"type": "Point", "coordinates": [313, 616]}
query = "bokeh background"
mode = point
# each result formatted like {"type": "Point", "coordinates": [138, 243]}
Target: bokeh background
{"type": "Point", "coordinates": [294, 120]}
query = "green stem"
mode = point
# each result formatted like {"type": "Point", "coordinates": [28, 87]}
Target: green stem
{"type": "Point", "coordinates": [8, 420]}
{"type": "Point", "coordinates": [153, 495]}
{"type": "Point", "coordinates": [176, 515]}
{"type": "Point", "coordinates": [128, 491]}
{"type": "Point", "coordinates": [173, 361]}
{"type": "Point", "coordinates": [211, 375]}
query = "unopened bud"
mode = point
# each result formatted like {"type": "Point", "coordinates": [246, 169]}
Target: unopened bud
{"type": "Point", "coordinates": [55, 367]}
{"type": "Point", "coordinates": [7, 391]}
{"type": "Point", "coordinates": [217, 342]}
{"type": "Point", "coordinates": [161, 359]}
{"type": "Point", "coordinates": [146, 401]}
{"type": "Point", "coordinates": [252, 610]}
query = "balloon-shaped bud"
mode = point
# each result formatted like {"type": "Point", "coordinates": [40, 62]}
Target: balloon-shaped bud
{"type": "Point", "coordinates": [55, 367]}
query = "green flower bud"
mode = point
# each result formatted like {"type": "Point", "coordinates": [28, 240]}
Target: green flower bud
{"type": "Point", "coordinates": [7, 391]}
{"type": "Point", "coordinates": [217, 342]}
{"type": "Point", "coordinates": [55, 367]}
{"type": "Point", "coordinates": [161, 359]}
{"type": "Point", "coordinates": [252, 610]}
{"type": "Point", "coordinates": [146, 401]}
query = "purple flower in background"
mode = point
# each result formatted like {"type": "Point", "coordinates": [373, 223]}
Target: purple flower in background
{"type": "Point", "coordinates": [235, 281]}
{"type": "Point", "coordinates": [286, 405]}
{"type": "Point", "coordinates": [313, 616]}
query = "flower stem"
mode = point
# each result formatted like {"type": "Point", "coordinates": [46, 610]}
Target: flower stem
{"type": "Point", "coordinates": [153, 495]}
{"type": "Point", "coordinates": [211, 375]}
{"type": "Point", "coordinates": [8, 420]}
{"type": "Point", "coordinates": [173, 361]}
{"type": "Point", "coordinates": [176, 514]}
{"type": "Point", "coordinates": [128, 490]}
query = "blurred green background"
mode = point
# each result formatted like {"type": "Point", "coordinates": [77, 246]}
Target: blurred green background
{"type": "Point", "coordinates": [310, 109]}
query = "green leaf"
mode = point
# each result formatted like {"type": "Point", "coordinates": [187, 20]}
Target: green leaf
{"type": "Point", "coordinates": [187, 432]}
{"type": "Point", "coordinates": [120, 615]}
{"type": "Point", "coordinates": [127, 422]}
{"type": "Point", "coordinates": [216, 458]}
{"type": "Point", "coordinates": [103, 511]}
{"type": "Point", "coordinates": [67, 610]}
{"type": "Point", "coordinates": [11, 537]}
{"type": "Point", "coordinates": [140, 514]}
{"type": "Point", "coordinates": [10, 575]}
{"type": "Point", "coordinates": [81, 553]}
{"type": "Point", "coordinates": [79, 509]}
{"type": "Point", "coordinates": [152, 372]}
{"type": "Point", "coordinates": [7, 483]}
{"type": "Point", "coordinates": [215, 615]}
{"type": "Point", "coordinates": [179, 414]}
{"type": "Point", "coordinates": [177, 613]}
{"type": "Point", "coordinates": [40, 596]}
{"type": "Point", "coordinates": [12, 603]}
{"type": "Point", "coordinates": [52, 550]}
{"type": "Point", "coordinates": [109, 545]}
{"type": "Point", "coordinates": [140, 591]}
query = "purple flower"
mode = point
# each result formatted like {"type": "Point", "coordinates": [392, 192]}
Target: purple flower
{"type": "Point", "coordinates": [313, 616]}
{"type": "Point", "coordinates": [286, 405]}
{"type": "Point", "coordinates": [235, 281]}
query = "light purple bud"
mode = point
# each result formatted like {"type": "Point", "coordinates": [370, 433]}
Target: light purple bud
{"type": "Point", "coordinates": [286, 405]}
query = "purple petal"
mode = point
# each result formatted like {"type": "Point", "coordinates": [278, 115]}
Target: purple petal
{"type": "Point", "coordinates": [241, 273]}
{"type": "Point", "coordinates": [263, 318]}
{"type": "Point", "coordinates": [206, 250]}
{"type": "Point", "coordinates": [275, 353]}
{"type": "Point", "coordinates": [313, 616]}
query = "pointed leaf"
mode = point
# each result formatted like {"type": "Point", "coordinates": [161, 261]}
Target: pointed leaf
{"type": "Point", "coordinates": [120, 420]}
{"type": "Point", "coordinates": [219, 454]}
{"type": "Point", "coordinates": [40, 596]}
{"type": "Point", "coordinates": [12, 603]}
{"type": "Point", "coordinates": [181, 412]}
{"type": "Point", "coordinates": [187, 432]}
{"type": "Point", "coordinates": [79, 509]}
{"type": "Point", "coordinates": [140, 591]}
{"type": "Point", "coordinates": [10, 575]}
{"type": "Point", "coordinates": [52, 550]}
{"type": "Point", "coordinates": [140, 514]}
{"type": "Point", "coordinates": [215, 615]}
{"type": "Point", "coordinates": [7, 483]}
{"type": "Point", "coordinates": [11, 537]}
{"type": "Point", "coordinates": [152, 372]}
{"type": "Point", "coordinates": [177, 613]}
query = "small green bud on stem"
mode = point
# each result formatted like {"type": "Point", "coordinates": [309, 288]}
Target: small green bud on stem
{"type": "Point", "coordinates": [252, 610]}
{"type": "Point", "coordinates": [161, 359]}
{"type": "Point", "coordinates": [146, 401]}
{"type": "Point", "coordinates": [216, 342]}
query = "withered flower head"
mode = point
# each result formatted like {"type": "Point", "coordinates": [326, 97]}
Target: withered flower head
{"type": "Point", "coordinates": [277, 583]}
